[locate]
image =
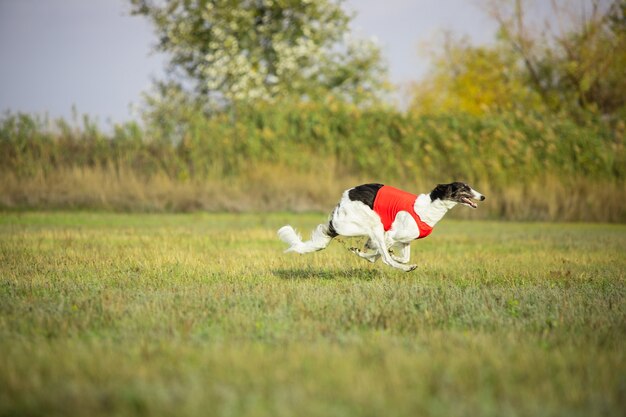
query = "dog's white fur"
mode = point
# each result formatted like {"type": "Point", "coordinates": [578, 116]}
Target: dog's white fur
{"type": "Point", "coordinates": [354, 218]}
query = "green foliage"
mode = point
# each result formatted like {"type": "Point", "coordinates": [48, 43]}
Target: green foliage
{"type": "Point", "coordinates": [500, 149]}
{"type": "Point", "coordinates": [202, 315]}
{"type": "Point", "coordinates": [533, 166]}
{"type": "Point", "coordinates": [242, 50]}
{"type": "Point", "coordinates": [31, 146]}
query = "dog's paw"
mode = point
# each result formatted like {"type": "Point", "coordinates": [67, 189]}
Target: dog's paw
{"type": "Point", "coordinates": [411, 268]}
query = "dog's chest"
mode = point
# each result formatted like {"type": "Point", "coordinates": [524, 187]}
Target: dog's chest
{"type": "Point", "coordinates": [404, 228]}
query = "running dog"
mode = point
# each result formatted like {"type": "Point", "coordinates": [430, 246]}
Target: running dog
{"type": "Point", "coordinates": [389, 217]}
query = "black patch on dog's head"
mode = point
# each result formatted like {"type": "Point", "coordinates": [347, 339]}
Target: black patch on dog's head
{"type": "Point", "coordinates": [454, 191]}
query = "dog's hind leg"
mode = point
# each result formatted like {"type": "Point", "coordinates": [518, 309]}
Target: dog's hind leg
{"type": "Point", "coordinates": [369, 256]}
{"type": "Point", "coordinates": [369, 252]}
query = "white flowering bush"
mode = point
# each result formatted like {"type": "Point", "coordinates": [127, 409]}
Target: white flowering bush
{"type": "Point", "coordinates": [247, 50]}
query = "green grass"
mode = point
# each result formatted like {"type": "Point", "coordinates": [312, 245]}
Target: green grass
{"type": "Point", "coordinates": [198, 314]}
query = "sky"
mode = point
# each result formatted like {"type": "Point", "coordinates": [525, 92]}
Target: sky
{"type": "Point", "coordinates": [93, 56]}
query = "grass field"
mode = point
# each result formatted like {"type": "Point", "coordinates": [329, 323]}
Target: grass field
{"type": "Point", "coordinates": [202, 314]}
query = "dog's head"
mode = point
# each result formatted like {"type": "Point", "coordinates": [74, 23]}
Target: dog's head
{"type": "Point", "coordinates": [457, 192]}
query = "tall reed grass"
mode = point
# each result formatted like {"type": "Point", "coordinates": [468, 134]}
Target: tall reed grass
{"type": "Point", "coordinates": [299, 156]}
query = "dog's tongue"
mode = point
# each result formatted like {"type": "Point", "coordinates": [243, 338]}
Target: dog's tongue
{"type": "Point", "coordinates": [470, 202]}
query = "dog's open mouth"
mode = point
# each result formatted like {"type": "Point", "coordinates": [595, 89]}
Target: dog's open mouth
{"type": "Point", "coordinates": [468, 202]}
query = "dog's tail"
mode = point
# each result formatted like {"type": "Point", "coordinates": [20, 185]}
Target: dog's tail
{"type": "Point", "coordinates": [320, 238]}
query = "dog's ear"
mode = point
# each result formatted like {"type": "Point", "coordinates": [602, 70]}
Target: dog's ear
{"type": "Point", "coordinates": [439, 192]}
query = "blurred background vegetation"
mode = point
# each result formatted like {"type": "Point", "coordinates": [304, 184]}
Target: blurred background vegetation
{"type": "Point", "coordinates": [274, 105]}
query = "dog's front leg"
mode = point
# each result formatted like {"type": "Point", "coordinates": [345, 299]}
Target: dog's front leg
{"type": "Point", "coordinates": [405, 253]}
{"type": "Point", "coordinates": [378, 237]}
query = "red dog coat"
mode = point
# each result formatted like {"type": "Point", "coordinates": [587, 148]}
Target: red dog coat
{"type": "Point", "coordinates": [390, 201]}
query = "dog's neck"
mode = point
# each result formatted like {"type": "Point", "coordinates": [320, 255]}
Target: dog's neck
{"type": "Point", "coordinates": [431, 211]}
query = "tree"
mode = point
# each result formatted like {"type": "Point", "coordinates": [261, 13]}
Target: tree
{"type": "Point", "coordinates": [573, 62]}
{"type": "Point", "coordinates": [236, 50]}
{"type": "Point", "coordinates": [577, 61]}
{"type": "Point", "coordinates": [473, 80]}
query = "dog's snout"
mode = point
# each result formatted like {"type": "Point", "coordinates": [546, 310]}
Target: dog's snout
{"type": "Point", "coordinates": [482, 197]}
